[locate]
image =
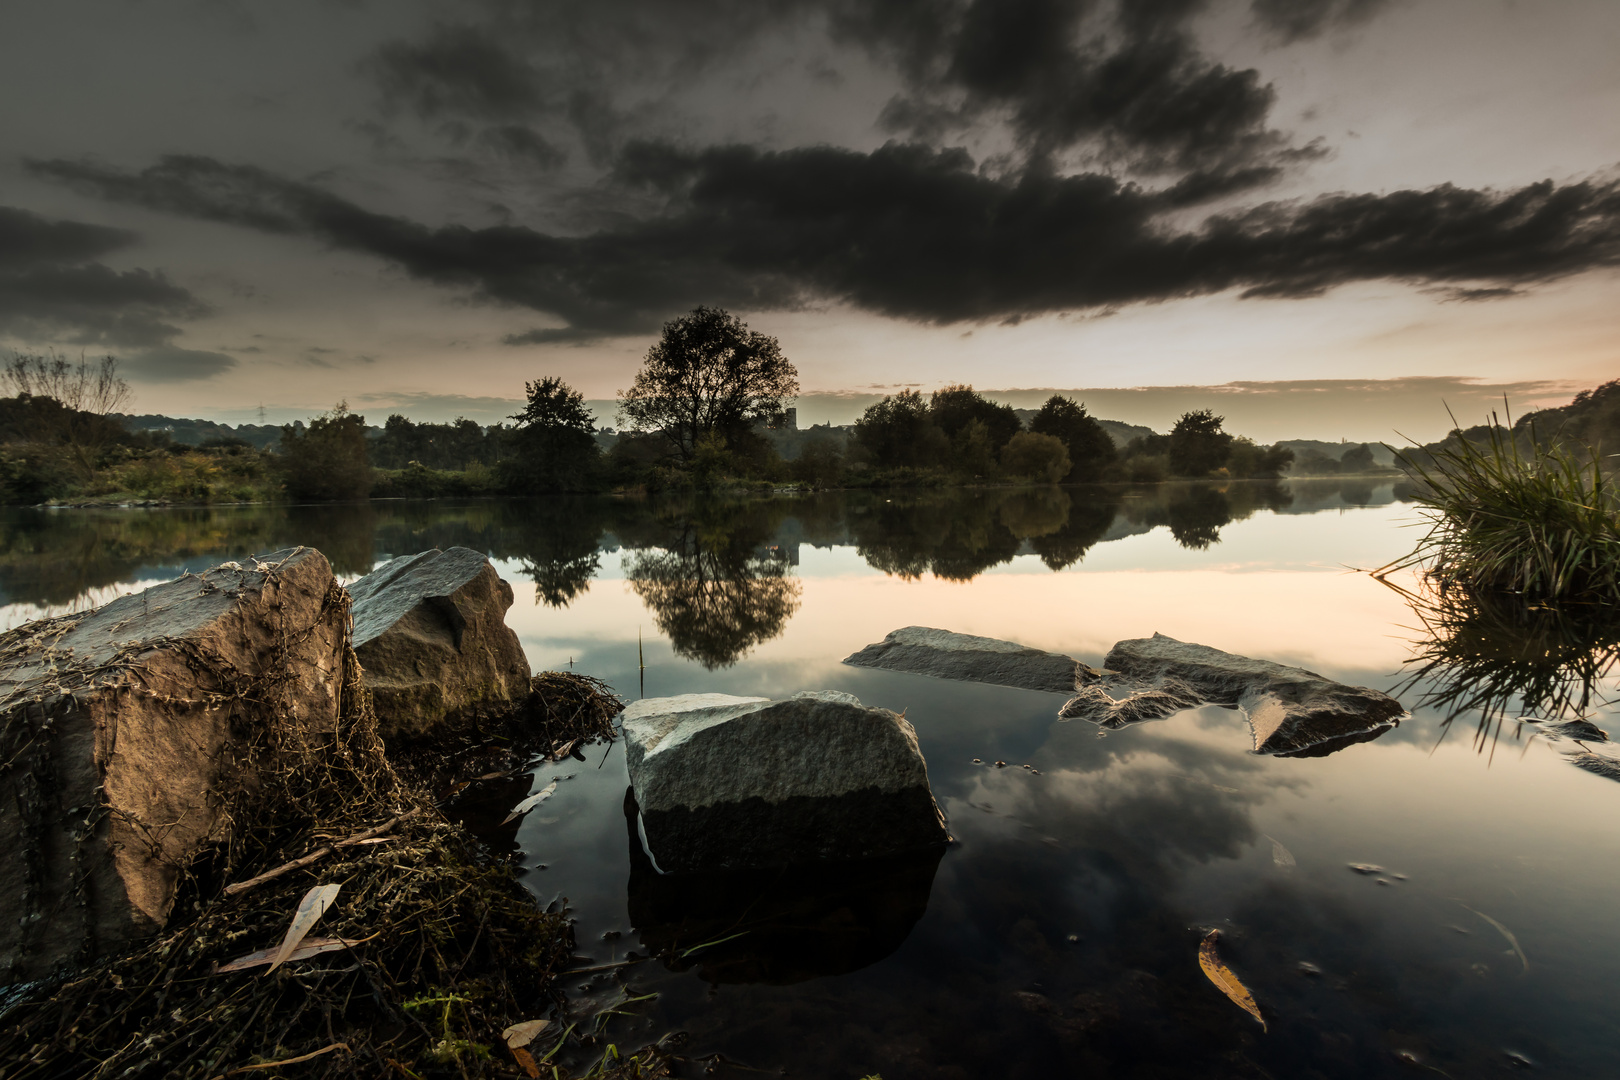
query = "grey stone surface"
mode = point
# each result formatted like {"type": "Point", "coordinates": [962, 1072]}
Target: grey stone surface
{"type": "Point", "coordinates": [430, 630]}
{"type": "Point", "coordinates": [922, 650]}
{"type": "Point", "coordinates": [117, 727]}
{"type": "Point", "coordinates": [1291, 711]}
{"type": "Point", "coordinates": [734, 782]}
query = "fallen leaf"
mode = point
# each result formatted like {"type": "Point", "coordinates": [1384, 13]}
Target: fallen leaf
{"type": "Point", "coordinates": [532, 801]}
{"type": "Point", "coordinates": [310, 947]}
{"type": "Point", "coordinates": [523, 1034]}
{"type": "Point", "coordinates": [1224, 980]}
{"type": "Point", "coordinates": [1281, 857]}
{"type": "Point", "coordinates": [1505, 932]}
{"type": "Point", "coordinates": [527, 1062]}
{"type": "Point", "coordinates": [310, 910]}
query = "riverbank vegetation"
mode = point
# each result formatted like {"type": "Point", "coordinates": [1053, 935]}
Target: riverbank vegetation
{"type": "Point", "coordinates": [709, 410]}
{"type": "Point", "coordinates": [1518, 512]}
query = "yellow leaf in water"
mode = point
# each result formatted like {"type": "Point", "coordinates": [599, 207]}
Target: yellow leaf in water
{"type": "Point", "coordinates": [1222, 977]}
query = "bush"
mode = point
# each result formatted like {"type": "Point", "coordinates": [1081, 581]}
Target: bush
{"type": "Point", "coordinates": [1535, 520]}
{"type": "Point", "coordinates": [327, 461]}
{"type": "Point", "coordinates": [1033, 456]}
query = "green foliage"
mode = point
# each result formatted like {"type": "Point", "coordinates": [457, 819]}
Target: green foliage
{"type": "Point", "coordinates": [973, 450]}
{"type": "Point", "coordinates": [1533, 519]}
{"type": "Point", "coordinates": [1198, 446]}
{"type": "Point", "coordinates": [953, 408]}
{"type": "Point", "coordinates": [328, 460]}
{"type": "Point", "coordinates": [1033, 456]}
{"type": "Point", "coordinates": [708, 374]}
{"type": "Point", "coordinates": [819, 464]}
{"type": "Point", "coordinates": [1249, 461]}
{"type": "Point", "coordinates": [553, 447]}
{"type": "Point", "coordinates": [435, 446]}
{"type": "Point", "coordinates": [1090, 449]}
{"type": "Point", "coordinates": [898, 431]}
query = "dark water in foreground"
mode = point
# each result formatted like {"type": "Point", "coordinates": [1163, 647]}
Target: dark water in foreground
{"type": "Point", "coordinates": [1059, 933]}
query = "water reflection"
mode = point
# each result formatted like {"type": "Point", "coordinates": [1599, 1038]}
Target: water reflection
{"type": "Point", "coordinates": [1502, 657]}
{"type": "Point", "coordinates": [713, 585]}
{"type": "Point", "coordinates": [700, 558]}
{"type": "Point", "coordinates": [778, 926]}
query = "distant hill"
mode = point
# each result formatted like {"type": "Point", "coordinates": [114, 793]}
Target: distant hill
{"type": "Point", "coordinates": [197, 432]}
{"type": "Point", "coordinates": [1335, 450]}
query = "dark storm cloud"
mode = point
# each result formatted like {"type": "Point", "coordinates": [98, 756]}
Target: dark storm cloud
{"type": "Point", "coordinates": [52, 292]}
{"type": "Point", "coordinates": [28, 240]}
{"type": "Point", "coordinates": [520, 144]}
{"type": "Point", "coordinates": [1125, 81]}
{"type": "Point", "coordinates": [913, 232]}
{"type": "Point", "coordinates": [1298, 20]}
{"type": "Point", "coordinates": [1119, 81]}
{"type": "Point", "coordinates": [460, 70]}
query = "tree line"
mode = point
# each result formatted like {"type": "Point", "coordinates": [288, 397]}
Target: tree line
{"type": "Point", "coordinates": [701, 412]}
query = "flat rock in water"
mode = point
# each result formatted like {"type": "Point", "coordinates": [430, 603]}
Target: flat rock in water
{"type": "Point", "coordinates": [1291, 711]}
{"type": "Point", "coordinates": [118, 728]}
{"type": "Point", "coordinates": [430, 630]}
{"type": "Point", "coordinates": [922, 650]}
{"type": "Point", "coordinates": [725, 782]}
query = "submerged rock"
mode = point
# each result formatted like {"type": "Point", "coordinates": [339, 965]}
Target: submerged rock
{"type": "Point", "coordinates": [1291, 711]}
{"type": "Point", "coordinates": [119, 729]}
{"type": "Point", "coordinates": [430, 630]}
{"type": "Point", "coordinates": [922, 650]}
{"type": "Point", "coordinates": [725, 782]}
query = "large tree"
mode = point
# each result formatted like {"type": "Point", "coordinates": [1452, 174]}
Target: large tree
{"type": "Point", "coordinates": [708, 375]}
{"type": "Point", "coordinates": [327, 461]}
{"type": "Point", "coordinates": [1198, 446]}
{"type": "Point", "coordinates": [554, 443]}
{"type": "Point", "coordinates": [897, 431]}
{"type": "Point", "coordinates": [1090, 449]}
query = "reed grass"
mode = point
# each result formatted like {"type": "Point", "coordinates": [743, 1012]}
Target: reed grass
{"type": "Point", "coordinates": [1517, 515]}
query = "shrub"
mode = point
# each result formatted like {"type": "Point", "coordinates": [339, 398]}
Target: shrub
{"type": "Point", "coordinates": [1090, 449]}
{"type": "Point", "coordinates": [1528, 518]}
{"type": "Point", "coordinates": [327, 460]}
{"type": "Point", "coordinates": [1033, 456]}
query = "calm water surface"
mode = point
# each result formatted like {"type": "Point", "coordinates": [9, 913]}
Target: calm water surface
{"type": "Point", "coordinates": [1058, 935]}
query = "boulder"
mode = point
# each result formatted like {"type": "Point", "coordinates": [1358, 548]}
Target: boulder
{"type": "Point", "coordinates": [1292, 712]}
{"type": "Point", "coordinates": [922, 650]}
{"type": "Point", "coordinates": [119, 729]}
{"type": "Point", "coordinates": [430, 631]}
{"type": "Point", "coordinates": [725, 782]}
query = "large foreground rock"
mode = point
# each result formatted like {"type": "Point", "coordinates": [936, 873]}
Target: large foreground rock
{"type": "Point", "coordinates": [119, 730]}
{"type": "Point", "coordinates": [922, 650]}
{"type": "Point", "coordinates": [725, 782]}
{"type": "Point", "coordinates": [430, 630]}
{"type": "Point", "coordinates": [1291, 711]}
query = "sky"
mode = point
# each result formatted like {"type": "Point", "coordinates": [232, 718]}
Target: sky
{"type": "Point", "coordinates": [1323, 218]}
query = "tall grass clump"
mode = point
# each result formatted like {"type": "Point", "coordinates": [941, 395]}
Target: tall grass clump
{"type": "Point", "coordinates": [1517, 516]}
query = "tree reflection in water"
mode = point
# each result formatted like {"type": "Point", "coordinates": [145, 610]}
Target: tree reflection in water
{"type": "Point", "coordinates": [1502, 657]}
{"type": "Point", "coordinates": [714, 594]}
